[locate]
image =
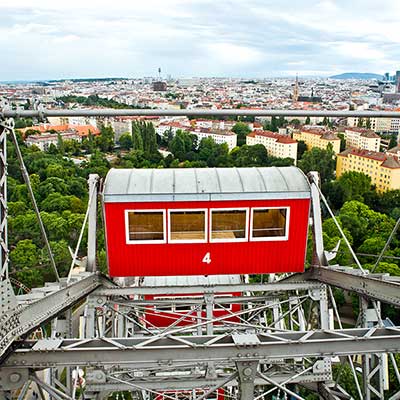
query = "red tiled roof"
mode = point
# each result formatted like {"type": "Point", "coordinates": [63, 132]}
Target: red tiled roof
{"type": "Point", "coordinates": [364, 132]}
{"type": "Point", "coordinates": [325, 134]}
{"type": "Point", "coordinates": [82, 130]}
{"type": "Point", "coordinates": [279, 138]}
{"type": "Point", "coordinates": [388, 160]}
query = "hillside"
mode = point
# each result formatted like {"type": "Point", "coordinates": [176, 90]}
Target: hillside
{"type": "Point", "coordinates": [357, 75]}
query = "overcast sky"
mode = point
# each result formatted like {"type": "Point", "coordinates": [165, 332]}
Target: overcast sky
{"type": "Point", "coordinates": [240, 38]}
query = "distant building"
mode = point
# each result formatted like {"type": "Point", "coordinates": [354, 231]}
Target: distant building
{"type": "Point", "coordinates": [318, 137]}
{"type": "Point", "coordinates": [310, 99]}
{"type": "Point", "coordinates": [44, 141]}
{"type": "Point", "coordinates": [173, 126]}
{"type": "Point", "coordinates": [362, 138]}
{"type": "Point", "coordinates": [219, 136]}
{"type": "Point", "coordinates": [160, 86]}
{"type": "Point", "coordinates": [377, 124]}
{"type": "Point", "coordinates": [397, 79]}
{"type": "Point", "coordinates": [277, 145]}
{"type": "Point", "coordinates": [81, 130]}
{"type": "Point", "coordinates": [382, 168]}
{"type": "Point", "coordinates": [391, 98]}
{"type": "Point", "coordinates": [395, 151]}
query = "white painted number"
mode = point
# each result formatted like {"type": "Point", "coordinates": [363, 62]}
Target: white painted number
{"type": "Point", "coordinates": [207, 258]}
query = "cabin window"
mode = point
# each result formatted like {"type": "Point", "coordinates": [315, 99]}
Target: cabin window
{"type": "Point", "coordinates": [269, 223]}
{"type": "Point", "coordinates": [146, 226]}
{"type": "Point", "coordinates": [187, 226]}
{"type": "Point", "coordinates": [228, 225]}
{"type": "Point", "coordinates": [224, 306]}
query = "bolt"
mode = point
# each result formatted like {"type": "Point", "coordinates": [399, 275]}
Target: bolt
{"type": "Point", "coordinates": [14, 377]}
{"type": "Point", "coordinates": [247, 371]}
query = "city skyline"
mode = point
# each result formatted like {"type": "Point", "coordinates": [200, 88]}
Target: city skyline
{"type": "Point", "coordinates": [198, 38]}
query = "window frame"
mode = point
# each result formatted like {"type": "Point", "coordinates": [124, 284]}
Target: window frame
{"type": "Point", "coordinates": [147, 210]}
{"type": "Point", "coordinates": [224, 240]}
{"type": "Point", "coordinates": [177, 241]}
{"type": "Point", "coordinates": [270, 238]}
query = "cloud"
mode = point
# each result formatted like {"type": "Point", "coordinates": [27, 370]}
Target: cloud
{"type": "Point", "coordinates": [233, 54]}
{"type": "Point", "coordinates": [256, 38]}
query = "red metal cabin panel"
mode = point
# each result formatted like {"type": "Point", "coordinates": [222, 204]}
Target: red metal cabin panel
{"type": "Point", "coordinates": [247, 257]}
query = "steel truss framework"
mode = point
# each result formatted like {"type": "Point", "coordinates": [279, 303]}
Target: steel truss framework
{"type": "Point", "coordinates": [284, 337]}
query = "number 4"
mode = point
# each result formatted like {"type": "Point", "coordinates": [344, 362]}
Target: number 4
{"type": "Point", "coordinates": [207, 258]}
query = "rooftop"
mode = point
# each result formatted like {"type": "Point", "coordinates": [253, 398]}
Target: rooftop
{"type": "Point", "coordinates": [388, 160]}
{"type": "Point", "coordinates": [279, 138]}
{"type": "Point", "coordinates": [126, 185]}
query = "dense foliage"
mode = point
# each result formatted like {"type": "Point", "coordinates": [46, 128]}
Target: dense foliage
{"type": "Point", "coordinates": [95, 100]}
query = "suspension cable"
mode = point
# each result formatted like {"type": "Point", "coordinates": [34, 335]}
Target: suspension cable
{"type": "Point", "coordinates": [10, 127]}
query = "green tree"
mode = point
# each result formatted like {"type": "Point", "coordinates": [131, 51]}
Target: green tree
{"type": "Point", "coordinates": [105, 141]}
{"type": "Point", "coordinates": [242, 130]}
{"type": "Point", "coordinates": [60, 144]}
{"type": "Point", "coordinates": [16, 208]}
{"type": "Point", "coordinates": [295, 122]}
{"type": "Point", "coordinates": [126, 141]}
{"type": "Point", "coordinates": [342, 141]}
{"type": "Point", "coordinates": [137, 140]}
{"type": "Point", "coordinates": [319, 160]}
{"type": "Point", "coordinates": [308, 121]}
{"type": "Point", "coordinates": [182, 145]}
{"type": "Point", "coordinates": [24, 263]}
{"type": "Point", "coordinates": [392, 142]}
{"type": "Point", "coordinates": [363, 223]}
{"type": "Point", "coordinates": [351, 185]}
{"type": "Point", "coordinates": [72, 147]}
{"type": "Point", "coordinates": [301, 149]}
{"type": "Point", "coordinates": [212, 153]}
{"type": "Point", "coordinates": [250, 156]}
{"type": "Point", "coordinates": [62, 258]}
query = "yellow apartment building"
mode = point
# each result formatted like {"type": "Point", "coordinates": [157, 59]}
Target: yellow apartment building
{"type": "Point", "coordinates": [383, 168]}
{"type": "Point", "coordinates": [318, 137]}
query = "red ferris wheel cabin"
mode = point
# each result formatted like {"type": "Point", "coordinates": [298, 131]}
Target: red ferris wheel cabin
{"type": "Point", "coordinates": [209, 221]}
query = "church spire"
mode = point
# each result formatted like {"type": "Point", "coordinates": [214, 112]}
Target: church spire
{"type": "Point", "coordinates": [296, 89]}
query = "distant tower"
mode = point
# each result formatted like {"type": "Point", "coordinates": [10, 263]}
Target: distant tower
{"type": "Point", "coordinates": [296, 90]}
{"type": "Point", "coordinates": [159, 73]}
{"type": "Point", "coordinates": [397, 81]}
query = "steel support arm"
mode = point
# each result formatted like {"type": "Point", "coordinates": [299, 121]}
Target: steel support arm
{"type": "Point", "coordinates": [145, 351]}
{"type": "Point", "coordinates": [24, 319]}
{"type": "Point", "coordinates": [366, 285]}
{"type": "Point", "coordinates": [225, 288]}
{"type": "Point", "coordinates": [164, 383]}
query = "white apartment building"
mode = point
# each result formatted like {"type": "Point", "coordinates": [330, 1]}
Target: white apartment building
{"type": "Point", "coordinates": [173, 126]}
{"type": "Point", "coordinates": [377, 124]}
{"type": "Point", "coordinates": [219, 136]}
{"type": "Point", "coordinates": [281, 146]}
{"type": "Point", "coordinates": [44, 141]}
{"type": "Point", "coordinates": [362, 138]}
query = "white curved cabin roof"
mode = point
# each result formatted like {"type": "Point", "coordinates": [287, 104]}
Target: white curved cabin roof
{"type": "Point", "coordinates": [197, 184]}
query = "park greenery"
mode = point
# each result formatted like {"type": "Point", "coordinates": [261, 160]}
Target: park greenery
{"type": "Point", "coordinates": [95, 100]}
